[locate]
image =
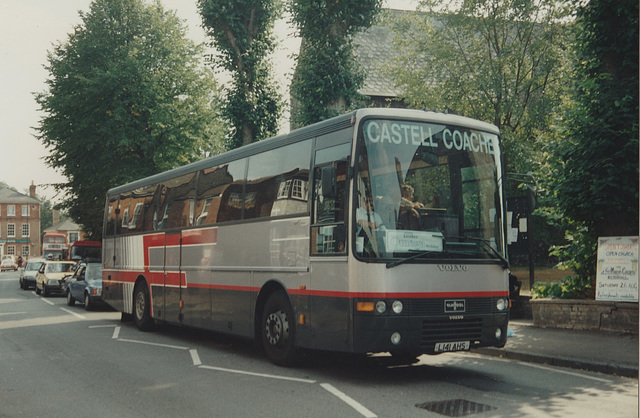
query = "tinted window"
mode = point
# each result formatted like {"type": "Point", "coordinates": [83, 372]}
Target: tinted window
{"type": "Point", "coordinates": [219, 196]}
{"type": "Point", "coordinates": [277, 182]}
{"type": "Point", "coordinates": [176, 207]}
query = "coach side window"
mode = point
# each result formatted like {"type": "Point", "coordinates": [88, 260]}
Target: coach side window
{"type": "Point", "coordinates": [277, 182]}
{"type": "Point", "coordinates": [219, 196]}
{"type": "Point", "coordinates": [110, 220]}
{"type": "Point", "coordinates": [178, 208]}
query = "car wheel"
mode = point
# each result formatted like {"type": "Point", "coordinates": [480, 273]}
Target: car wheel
{"type": "Point", "coordinates": [45, 292]}
{"type": "Point", "coordinates": [87, 302]}
{"type": "Point", "coordinates": [278, 330]}
{"type": "Point", "coordinates": [70, 300]}
{"type": "Point", "coordinates": [142, 308]}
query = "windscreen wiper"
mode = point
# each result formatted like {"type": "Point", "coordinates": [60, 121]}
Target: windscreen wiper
{"type": "Point", "coordinates": [396, 263]}
{"type": "Point", "coordinates": [489, 249]}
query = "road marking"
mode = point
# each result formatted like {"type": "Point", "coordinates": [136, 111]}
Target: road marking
{"type": "Point", "coordinates": [195, 357]}
{"type": "Point", "coordinates": [558, 370]}
{"type": "Point", "coordinates": [348, 400]}
{"type": "Point", "coordinates": [555, 369]}
{"type": "Point", "coordinates": [116, 333]}
{"type": "Point", "coordinates": [177, 347]}
{"type": "Point", "coordinates": [47, 301]}
{"type": "Point", "coordinates": [73, 313]}
{"type": "Point", "coordinates": [270, 376]}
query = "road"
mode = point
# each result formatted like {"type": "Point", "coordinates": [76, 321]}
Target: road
{"type": "Point", "coordinates": [57, 360]}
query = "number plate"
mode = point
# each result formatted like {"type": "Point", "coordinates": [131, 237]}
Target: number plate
{"type": "Point", "coordinates": [454, 346]}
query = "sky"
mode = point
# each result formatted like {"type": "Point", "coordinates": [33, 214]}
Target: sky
{"type": "Point", "coordinates": [29, 29]}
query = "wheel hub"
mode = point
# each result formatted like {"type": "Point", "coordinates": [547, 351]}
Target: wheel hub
{"type": "Point", "coordinates": [140, 305]}
{"type": "Point", "coordinates": [277, 328]}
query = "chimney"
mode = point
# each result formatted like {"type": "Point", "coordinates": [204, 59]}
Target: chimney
{"type": "Point", "coordinates": [56, 217]}
{"type": "Point", "coordinates": [32, 190]}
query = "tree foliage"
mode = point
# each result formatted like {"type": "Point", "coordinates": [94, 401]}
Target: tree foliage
{"type": "Point", "coordinates": [327, 78]}
{"type": "Point", "coordinates": [594, 159]}
{"type": "Point", "coordinates": [126, 98]}
{"type": "Point", "coordinates": [597, 147]}
{"type": "Point", "coordinates": [242, 32]}
{"type": "Point", "coordinates": [493, 60]}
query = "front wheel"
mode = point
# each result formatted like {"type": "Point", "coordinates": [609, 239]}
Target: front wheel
{"type": "Point", "coordinates": [278, 330]}
{"type": "Point", "coordinates": [142, 308]}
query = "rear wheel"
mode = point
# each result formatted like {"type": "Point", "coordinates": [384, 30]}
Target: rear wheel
{"type": "Point", "coordinates": [142, 308]}
{"type": "Point", "coordinates": [278, 330]}
{"type": "Point", "coordinates": [87, 302]}
{"type": "Point", "coordinates": [70, 300]}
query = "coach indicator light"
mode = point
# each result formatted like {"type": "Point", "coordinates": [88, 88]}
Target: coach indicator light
{"type": "Point", "coordinates": [364, 306]}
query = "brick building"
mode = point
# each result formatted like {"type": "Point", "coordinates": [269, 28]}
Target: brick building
{"type": "Point", "coordinates": [20, 223]}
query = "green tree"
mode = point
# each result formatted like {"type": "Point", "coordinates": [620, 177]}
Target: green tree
{"type": "Point", "coordinates": [242, 31]}
{"type": "Point", "coordinates": [594, 159]}
{"type": "Point", "coordinates": [493, 60]}
{"type": "Point", "coordinates": [127, 97]}
{"type": "Point", "coordinates": [327, 78]}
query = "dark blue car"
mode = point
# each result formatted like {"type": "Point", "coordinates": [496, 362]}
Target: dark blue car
{"type": "Point", "coordinates": [85, 285]}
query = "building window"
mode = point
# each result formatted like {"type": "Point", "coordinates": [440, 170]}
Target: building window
{"type": "Point", "coordinates": [11, 249]}
{"type": "Point", "coordinates": [11, 210]}
{"type": "Point", "coordinates": [73, 237]}
{"type": "Point", "coordinates": [25, 251]}
{"type": "Point", "coordinates": [25, 230]}
{"type": "Point", "coordinates": [26, 210]}
{"type": "Point", "coordinates": [11, 230]}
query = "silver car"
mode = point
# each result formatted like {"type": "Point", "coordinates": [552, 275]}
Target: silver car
{"type": "Point", "coordinates": [28, 273]}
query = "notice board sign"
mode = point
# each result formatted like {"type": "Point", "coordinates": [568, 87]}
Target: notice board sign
{"type": "Point", "coordinates": [617, 274]}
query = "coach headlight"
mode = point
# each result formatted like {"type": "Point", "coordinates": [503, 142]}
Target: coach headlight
{"type": "Point", "coordinates": [397, 306]}
{"type": "Point", "coordinates": [381, 306]}
{"type": "Point", "coordinates": [502, 304]}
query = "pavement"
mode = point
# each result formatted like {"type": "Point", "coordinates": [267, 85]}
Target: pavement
{"type": "Point", "coordinates": [599, 351]}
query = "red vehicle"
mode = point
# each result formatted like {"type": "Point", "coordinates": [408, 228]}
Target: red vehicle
{"type": "Point", "coordinates": [54, 246]}
{"type": "Point", "coordinates": [85, 250]}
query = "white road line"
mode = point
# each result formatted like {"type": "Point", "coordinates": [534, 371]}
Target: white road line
{"type": "Point", "coordinates": [47, 301]}
{"type": "Point", "coordinates": [559, 370]}
{"type": "Point", "coordinates": [103, 326]}
{"type": "Point", "coordinates": [270, 376]}
{"type": "Point", "coordinates": [195, 357]}
{"type": "Point", "coordinates": [177, 347]}
{"type": "Point", "coordinates": [349, 401]}
{"type": "Point", "coordinates": [74, 313]}
{"type": "Point", "coordinates": [116, 333]}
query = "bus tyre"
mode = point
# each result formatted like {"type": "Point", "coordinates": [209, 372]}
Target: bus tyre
{"type": "Point", "coordinates": [278, 330]}
{"type": "Point", "coordinates": [142, 308]}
